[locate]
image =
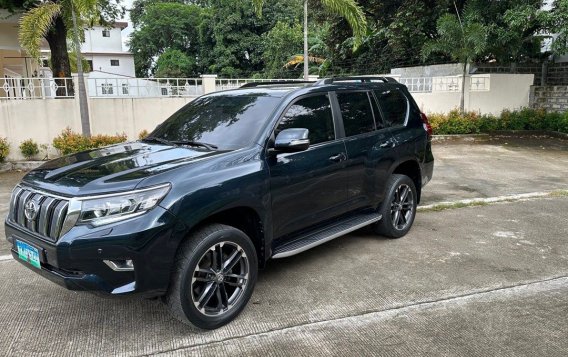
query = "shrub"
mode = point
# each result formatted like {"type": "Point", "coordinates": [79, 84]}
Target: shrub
{"type": "Point", "coordinates": [29, 149]}
{"type": "Point", "coordinates": [69, 142]}
{"type": "Point", "coordinates": [144, 133]}
{"type": "Point", "coordinates": [472, 122]}
{"type": "Point", "coordinates": [4, 149]}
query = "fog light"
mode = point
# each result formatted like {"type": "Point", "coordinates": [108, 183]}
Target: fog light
{"type": "Point", "coordinates": [120, 265]}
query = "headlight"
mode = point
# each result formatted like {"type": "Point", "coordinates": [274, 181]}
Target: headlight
{"type": "Point", "coordinates": [116, 207]}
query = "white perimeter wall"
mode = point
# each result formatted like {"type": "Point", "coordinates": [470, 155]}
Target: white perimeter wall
{"type": "Point", "coordinates": [44, 119]}
{"type": "Point", "coordinates": [507, 91]}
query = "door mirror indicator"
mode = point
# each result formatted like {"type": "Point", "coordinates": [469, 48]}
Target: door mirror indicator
{"type": "Point", "coordinates": [292, 140]}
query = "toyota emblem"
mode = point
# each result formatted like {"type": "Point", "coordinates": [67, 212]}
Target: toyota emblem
{"type": "Point", "coordinates": [31, 210]}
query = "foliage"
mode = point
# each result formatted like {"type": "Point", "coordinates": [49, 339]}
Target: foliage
{"type": "Point", "coordinates": [29, 149]}
{"type": "Point", "coordinates": [4, 149]}
{"type": "Point", "coordinates": [283, 41]}
{"type": "Point", "coordinates": [69, 142]}
{"type": "Point", "coordinates": [163, 26]}
{"type": "Point", "coordinates": [144, 133]}
{"type": "Point", "coordinates": [556, 22]}
{"type": "Point", "coordinates": [474, 123]}
{"type": "Point", "coordinates": [175, 64]}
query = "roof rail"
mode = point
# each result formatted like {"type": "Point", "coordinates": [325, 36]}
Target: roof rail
{"type": "Point", "coordinates": [258, 84]}
{"type": "Point", "coordinates": [363, 79]}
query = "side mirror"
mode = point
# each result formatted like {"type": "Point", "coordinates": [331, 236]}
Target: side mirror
{"type": "Point", "coordinates": [292, 140]}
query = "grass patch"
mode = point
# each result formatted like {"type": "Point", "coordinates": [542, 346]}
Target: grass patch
{"type": "Point", "coordinates": [445, 206]}
{"type": "Point", "coordinates": [559, 193]}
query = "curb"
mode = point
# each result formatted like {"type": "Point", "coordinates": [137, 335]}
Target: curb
{"type": "Point", "coordinates": [20, 165]}
{"type": "Point", "coordinates": [498, 133]}
{"type": "Point", "coordinates": [488, 200]}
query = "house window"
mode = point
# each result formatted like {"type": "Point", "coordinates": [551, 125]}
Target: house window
{"type": "Point", "coordinates": [164, 91]}
{"type": "Point", "coordinates": [107, 88]}
{"type": "Point", "coordinates": [44, 63]}
{"type": "Point", "coordinates": [90, 62]}
{"type": "Point", "coordinates": [106, 33]}
{"type": "Point", "coordinates": [125, 88]}
{"type": "Point", "coordinates": [114, 63]}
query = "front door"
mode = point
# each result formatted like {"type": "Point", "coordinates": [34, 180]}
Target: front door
{"type": "Point", "coordinates": [308, 187]}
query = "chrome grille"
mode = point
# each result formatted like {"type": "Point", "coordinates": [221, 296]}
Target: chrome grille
{"type": "Point", "coordinates": [50, 212]}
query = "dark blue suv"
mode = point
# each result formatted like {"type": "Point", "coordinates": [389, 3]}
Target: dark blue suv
{"type": "Point", "coordinates": [230, 180]}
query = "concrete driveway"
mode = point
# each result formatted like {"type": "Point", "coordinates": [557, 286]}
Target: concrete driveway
{"type": "Point", "coordinates": [489, 280]}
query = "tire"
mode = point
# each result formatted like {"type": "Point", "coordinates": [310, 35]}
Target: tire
{"type": "Point", "coordinates": [393, 224]}
{"type": "Point", "coordinates": [209, 297]}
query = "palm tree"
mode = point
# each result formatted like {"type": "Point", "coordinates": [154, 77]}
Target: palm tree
{"type": "Point", "coordinates": [348, 9]}
{"type": "Point", "coordinates": [461, 40]}
{"type": "Point", "coordinates": [55, 20]}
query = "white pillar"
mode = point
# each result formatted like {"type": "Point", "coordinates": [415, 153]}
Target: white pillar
{"type": "Point", "coordinates": [208, 83]}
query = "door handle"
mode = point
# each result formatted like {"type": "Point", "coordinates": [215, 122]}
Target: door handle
{"type": "Point", "coordinates": [387, 144]}
{"type": "Point", "coordinates": [338, 158]}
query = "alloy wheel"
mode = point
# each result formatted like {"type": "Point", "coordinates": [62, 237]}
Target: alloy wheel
{"type": "Point", "coordinates": [220, 278]}
{"type": "Point", "coordinates": [402, 207]}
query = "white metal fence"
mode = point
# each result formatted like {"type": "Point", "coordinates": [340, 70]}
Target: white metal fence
{"type": "Point", "coordinates": [232, 83]}
{"type": "Point", "coordinates": [144, 87]}
{"type": "Point", "coordinates": [35, 88]}
{"type": "Point", "coordinates": [120, 87]}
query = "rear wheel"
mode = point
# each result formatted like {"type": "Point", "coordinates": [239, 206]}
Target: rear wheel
{"type": "Point", "coordinates": [399, 207]}
{"type": "Point", "coordinates": [215, 274]}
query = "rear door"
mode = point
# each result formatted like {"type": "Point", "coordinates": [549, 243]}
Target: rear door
{"type": "Point", "coordinates": [308, 187]}
{"type": "Point", "coordinates": [370, 148]}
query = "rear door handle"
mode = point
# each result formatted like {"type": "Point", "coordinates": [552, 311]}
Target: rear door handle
{"type": "Point", "coordinates": [387, 144]}
{"type": "Point", "coordinates": [338, 158]}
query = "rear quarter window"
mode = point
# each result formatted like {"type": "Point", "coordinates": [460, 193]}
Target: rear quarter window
{"type": "Point", "coordinates": [356, 112]}
{"type": "Point", "coordinates": [394, 106]}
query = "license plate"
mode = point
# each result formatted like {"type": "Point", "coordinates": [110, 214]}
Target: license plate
{"type": "Point", "coordinates": [28, 253]}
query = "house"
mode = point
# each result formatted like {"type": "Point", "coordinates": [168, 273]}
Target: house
{"type": "Point", "coordinates": [22, 76]}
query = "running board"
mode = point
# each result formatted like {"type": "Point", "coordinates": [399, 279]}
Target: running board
{"type": "Point", "coordinates": [325, 234]}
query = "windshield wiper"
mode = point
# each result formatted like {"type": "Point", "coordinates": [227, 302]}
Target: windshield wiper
{"type": "Point", "coordinates": [159, 140]}
{"type": "Point", "coordinates": [196, 143]}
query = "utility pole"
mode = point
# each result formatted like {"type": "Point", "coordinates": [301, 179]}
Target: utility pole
{"type": "Point", "coordinates": [83, 105]}
{"type": "Point", "coordinates": [306, 60]}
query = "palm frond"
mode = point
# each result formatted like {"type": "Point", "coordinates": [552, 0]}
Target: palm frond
{"type": "Point", "coordinates": [353, 13]}
{"type": "Point", "coordinates": [35, 24]}
{"type": "Point", "coordinates": [297, 59]}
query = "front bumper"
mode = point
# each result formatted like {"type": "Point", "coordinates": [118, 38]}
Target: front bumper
{"type": "Point", "coordinates": [76, 260]}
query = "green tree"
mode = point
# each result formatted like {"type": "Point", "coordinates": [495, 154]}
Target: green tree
{"type": "Point", "coordinates": [556, 22]}
{"type": "Point", "coordinates": [280, 43]}
{"type": "Point", "coordinates": [463, 39]}
{"type": "Point", "coordinates": [162, 26]}
{"type": "Point", "coordinates": [175, 64]}
{"type": "Point", "coordinates": [348, 9]}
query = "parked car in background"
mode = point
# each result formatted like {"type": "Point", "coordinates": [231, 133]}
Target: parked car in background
{"type": "Point", "coordinates": [231, 180]}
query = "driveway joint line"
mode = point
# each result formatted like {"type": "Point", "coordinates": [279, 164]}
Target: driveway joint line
{"type": "Point", "coordinates": [420, 304]}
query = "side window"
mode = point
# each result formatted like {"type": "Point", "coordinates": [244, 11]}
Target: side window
{"type": "Point", "coordinates": [394, 105]}
{"type": "Point", "coordinates": [379, 122]}
{"type": "Point", "coordinates": [312, 113]}
{"type": "Point", "coordinates": [356, 112]}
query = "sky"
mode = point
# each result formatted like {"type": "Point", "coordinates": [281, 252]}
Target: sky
{"type": "Point", "coordinates": [127, 31]}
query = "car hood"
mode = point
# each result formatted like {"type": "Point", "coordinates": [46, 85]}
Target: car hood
{"type": "Point", "coordinates": [114, 168]}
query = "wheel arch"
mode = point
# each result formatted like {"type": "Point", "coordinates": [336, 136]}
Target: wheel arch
{"type": "Point", "coordinates": [410, 168]}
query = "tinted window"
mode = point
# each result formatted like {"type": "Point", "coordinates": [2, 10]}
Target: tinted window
{"type": "Point", "coordinates": [379, 122]}
{"type": "Point", "coordinates": [312, 113]}
{"type": "Point", "coordinates": [394, 106]}
{"type": "Point", "coordinates": [356, 112]}
{"type": "Point", "coordinates": [230, 122]}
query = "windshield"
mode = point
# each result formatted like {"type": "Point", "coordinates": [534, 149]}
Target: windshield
{"type": "Point", "coordinates": [224, 121]}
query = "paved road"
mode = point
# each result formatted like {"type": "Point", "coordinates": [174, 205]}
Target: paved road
{"type": "Point", "coordinates": [481, 281]}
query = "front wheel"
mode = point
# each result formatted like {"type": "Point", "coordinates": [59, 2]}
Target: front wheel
{"type": "Point", "coordinates": [214, 277]}
{"type": "Point", "coordinates": [399, 207]}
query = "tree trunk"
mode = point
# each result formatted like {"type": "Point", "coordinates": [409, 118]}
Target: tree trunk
{"type": "Point", "coordinates": [462, 97]}
{"type": "Point", "coordinates": [60, 66]}
{"type": "Point", "coordinates": [306, 55]}
{"type": "Point", "coordinates": [83, 105]}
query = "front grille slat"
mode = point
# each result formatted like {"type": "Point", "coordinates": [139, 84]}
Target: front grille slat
{"type": "Point", "coordinates": [21, 207]}
{"type": "Point", "coordinates": [50, 215]}
{"type": "Point", "coordinates": [57, 219]}
{"type": "Point", "coordinates": [43, 222]}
